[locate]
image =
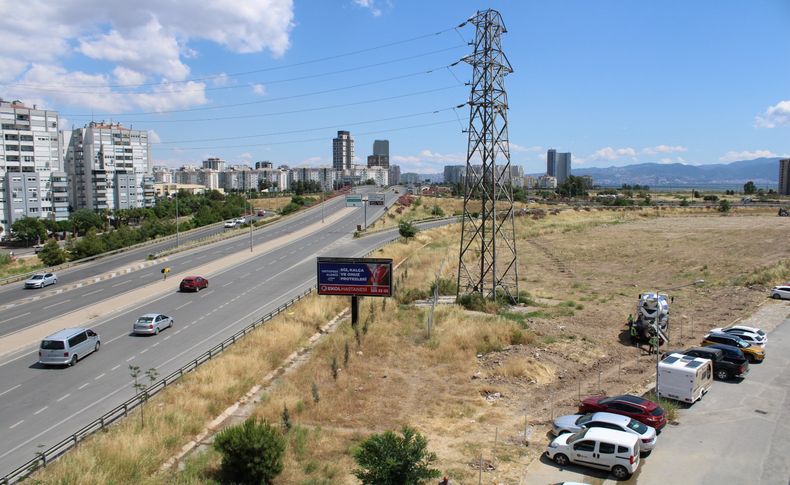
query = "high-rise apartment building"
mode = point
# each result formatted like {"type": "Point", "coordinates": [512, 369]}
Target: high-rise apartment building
{"type": "Point", "coordinates": [214, 163]}
{"type": "Point", "coordinates": [394, 175]}
{"type": "Point", "coordinates": [784, 176]}
{"type": "Point", "coordinates": [342, 151]}
{"type": "Point", "coordinates": [381, 154]}
{"type": "Point", "coordinates": [558, 165]}
{"type": "Point", "coordinates": [454, 174]}
{"type": "Point", "coordinates": [32, 181]}
{"type": "Point", "coordinates": [109, 167]}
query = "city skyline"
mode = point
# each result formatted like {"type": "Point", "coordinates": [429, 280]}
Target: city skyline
{"type": "Point", "coordinates": [624, 84]}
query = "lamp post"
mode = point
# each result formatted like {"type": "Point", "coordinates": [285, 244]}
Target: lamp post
{"type": "Point", "coordinates": [177, 218]}
{"type": "Point", "coordinates": [655, 324]}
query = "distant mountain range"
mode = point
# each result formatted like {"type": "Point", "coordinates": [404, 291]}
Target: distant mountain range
{"type": "Point", "coordinates": [764, 172]}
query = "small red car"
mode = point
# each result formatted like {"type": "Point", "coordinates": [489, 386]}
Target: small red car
{"type": "Point", "coordinates": [643, 410]}
{"type": "Point", "coordinates": [193, 283]}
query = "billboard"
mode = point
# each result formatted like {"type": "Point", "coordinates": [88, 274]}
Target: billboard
{"type": "Point", "coordinates": [354, 276]}
{"type": "Point", "coordinates": [353, 200]}
{"type": "Point", "coordinates": [376, 199]}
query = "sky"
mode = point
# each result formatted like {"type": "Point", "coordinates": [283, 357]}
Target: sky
{"type": "Point", "coordinates": [613, 82]}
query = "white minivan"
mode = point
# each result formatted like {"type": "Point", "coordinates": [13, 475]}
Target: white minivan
{"type": "Point", "coordinates": [603, 448]}
{"type": "Point", "coordinates": [68, 346]}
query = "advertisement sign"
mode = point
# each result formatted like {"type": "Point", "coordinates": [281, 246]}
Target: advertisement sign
{"type": "Point", "coordinates": [353, 200]}
{"type": "Point", "coordinates": [376, 199]}
{"type": "Point", "coordinates": [354, 276]}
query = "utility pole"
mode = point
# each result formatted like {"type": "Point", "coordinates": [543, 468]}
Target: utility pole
{"type": "Point", "coordinates": [176, 218]}
{"type": "Point", "coordinates": [322, 205]}
{"type": "Point", "coordinates": [487, 258]}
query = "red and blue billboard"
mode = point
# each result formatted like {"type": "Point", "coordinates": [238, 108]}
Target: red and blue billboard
{"type": "Point", "coordinates": [355, 276]}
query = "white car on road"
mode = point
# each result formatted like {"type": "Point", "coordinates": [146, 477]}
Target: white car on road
{"type": "Point", "coordinates": [41, 280]}
{"type": "Point", "coordinates": [781, 292]}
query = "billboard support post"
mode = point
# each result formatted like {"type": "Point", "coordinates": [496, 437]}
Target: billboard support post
{"type": "Point", "coordinates": [354, 311]}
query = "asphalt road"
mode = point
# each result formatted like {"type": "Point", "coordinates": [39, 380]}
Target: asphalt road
{"type": "Point", "coordinates": [40, 406]}
{"type": "Point", "coordinates": [25, 313]}
{"type": "Point", "coordinates": [739, 433]}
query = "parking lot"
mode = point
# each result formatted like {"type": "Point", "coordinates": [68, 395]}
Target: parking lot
{"type": "Point", "coordinates": [738, 433]}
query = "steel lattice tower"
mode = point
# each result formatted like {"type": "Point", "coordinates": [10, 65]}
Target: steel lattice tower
{"type": "Point", "coordinates": [487, 259]}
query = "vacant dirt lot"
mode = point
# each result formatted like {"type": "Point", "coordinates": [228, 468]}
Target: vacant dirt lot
{"type": "Point", "coordinates": [476, 381]}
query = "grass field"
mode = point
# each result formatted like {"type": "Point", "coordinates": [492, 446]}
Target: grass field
{"type": "Point", "coordinates": [471, 382]}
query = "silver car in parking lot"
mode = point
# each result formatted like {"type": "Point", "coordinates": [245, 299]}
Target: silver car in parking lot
{"type": "Point", "coordinates": [573, 423]}
{"type": "Point", "coordinates": [152, 324]}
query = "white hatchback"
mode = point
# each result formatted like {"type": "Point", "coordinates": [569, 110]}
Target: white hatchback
{"type": "Point", "coordinates": [602, 448]}
{"type": "Point", "coordinates": [781, 292]}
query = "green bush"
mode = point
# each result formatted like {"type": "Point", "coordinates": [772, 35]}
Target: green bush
{"type": "Point", "coordinates": [446, 286]}
{"type": "Point", "coordinates": [52, 254]}
{"type": "Point", "coordinates": [437, 211]}
{"type": "Point", "coordinates": [407, 229]}
{"type": "Point", "coordinates": [251, 452]}
{"type": "Point", "coordinates": [388, 459]}
{"type": "Point", "coordinates": [724, 205]}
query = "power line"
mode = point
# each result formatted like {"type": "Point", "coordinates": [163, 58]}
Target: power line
{"type": "Point", "coordinates": [255, 71]}
{"type": "Point", "coordinates": [296, 111]}
{"type": "Point", "coordinates": [263, 101]}
{"type": "Point", "coordinates": [307, 140]}
{"type": "Point", "coordinates": [303, 130]}
{"type": "Point", "coordinates": [244, 86]}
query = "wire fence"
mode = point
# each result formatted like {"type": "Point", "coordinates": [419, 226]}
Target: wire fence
{"type": "Point", "coordinates": [44, 457]}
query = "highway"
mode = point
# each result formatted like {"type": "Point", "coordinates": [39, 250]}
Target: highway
{"type": "Point", "coordinates": [41, 406]}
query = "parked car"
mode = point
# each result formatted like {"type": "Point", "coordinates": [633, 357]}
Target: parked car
{"type": "Point", "coordinates": [68, 346]}
{"type": "Point", "coordinates": [607, 449]}
{"type": "Point", "coordinates": [751, 329]}
{"type": "Point", "coordinates": [732, 354]}
{"type": "Point", "coordinates": [193, 283]}
{"type": "Point", "coordinates": [753, 352]}
{"type": "Point", "coordinates": [643, 410]}
{"type": "Point", "coordinates": [781, 292]}
{"type": "Point", "coordinates": [37, 248]}
{"type": "Point", "coordinates": [723, 368]}
{"type": "Point", "coordinates": [241, 220]}
{"type": "Point", "coordinates": [751, 337]}
{"type": "Point", "coordinates": [41, 280]}
{"type": "Point", "coordinates": [573, 423]}
{"type": "Point", "coordinates": [152, 324]}
{"type": "Point", "coordinates": [231, 223]}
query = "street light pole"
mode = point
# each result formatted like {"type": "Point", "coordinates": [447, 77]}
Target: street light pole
{"type": "Point", "coordinates": [365, 212]}
{"type": "Point", "coordinates": [322, 205]}
{"type": "Point", "coordinates": [176, 218]}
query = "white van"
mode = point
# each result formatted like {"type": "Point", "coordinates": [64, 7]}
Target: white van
{"type": "Point", "coordinates": [68, 346]}
{"type": "Point", "coordinates": [684, 378]}
{"type": "Point", "coordinates": [603, 448]}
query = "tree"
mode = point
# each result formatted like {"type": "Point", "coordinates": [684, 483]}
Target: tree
{"type": "Point", "coordinates": [724, 205]}
{"type": "Point", "coordinates": [573, 187]}
{"type": "Point", "coordinates": [749, 188]}
{"type": "Point", "coordinates": [84, 219]}
{"type": "Point", "coordinates": [251, 452]}
{"type": "Point", "coordinates": [407, 229]}
{"type": "Point", "coordinates": [52, 254]}
{"type": "Point", "coordinates": [388, 459]}
{"type": "Point", "coordinates": [29, 229]}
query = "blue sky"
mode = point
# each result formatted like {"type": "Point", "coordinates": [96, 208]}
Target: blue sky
{"type": "Point", "coordinates": [614, 82]}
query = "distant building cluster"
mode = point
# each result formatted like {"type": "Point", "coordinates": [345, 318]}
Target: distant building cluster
{"type": "Point", "coordinates": [47, 172]}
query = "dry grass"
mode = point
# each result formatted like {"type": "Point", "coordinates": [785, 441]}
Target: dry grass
{"type": "Point", "coordinates": [584, 267]}
{"type": "Point", "coordinates": [270, 203]}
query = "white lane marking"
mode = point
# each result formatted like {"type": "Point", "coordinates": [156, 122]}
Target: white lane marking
{"type": "Point", "coordinates": [143, 276]}
{"type": "Point", "coordinates": [83, 386]}
{"type": "Point", "coordinates": [121, 283]}
{"type": "Point", "coordinates": [115, 367]}
{"type": "Point", "coordinates": [182, 306]}
{"type": "Point", "coordinates": [166, 337]}
{"type": "Point", "coordinates": [207, 293]}
{"type": "Point", "coordinates": [177, 332]}
{"type": "Point", "coordinates": [40, 410]}
{"type": "Point", "coordinates": [64, 397]}
{"type": "Point", "coordinates": [99, 376]}
{"type": "Point", "coordinates": [156, 344]}
{"type": "Point", "coordinates": [9, 319]}
{"type": "Point", "coordinates": [9, 390]}
{"type": "Point", "coordinates": [228, 283]}
{"type": "Point", "coordinates": [244, 275]}
{"type": "Point", "coordinates": [58, 303]}
{"type": "Point", "coordinates": [94, 292]}
{"type": "Point", "coordinates": [187, 261]}
{"type": "Point", "coordinates": [144, 351]}
{"type": "Point", "coordinates": [16, 424]}
{"type": "Point", "coordinates": [130, 359]}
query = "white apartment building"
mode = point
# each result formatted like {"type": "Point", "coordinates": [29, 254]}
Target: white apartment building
{"type": "Point", "coordinates": [32, 181]}
{"type": "Point", "coordinates": [109, 167]}
{"type": "Point", "coordinates": [342, 151]}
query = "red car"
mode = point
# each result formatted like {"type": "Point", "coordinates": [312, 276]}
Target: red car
{"type": "Point", "coordinates": [641, 409]}
{"type": "Point", "coordinates": [193, 283]}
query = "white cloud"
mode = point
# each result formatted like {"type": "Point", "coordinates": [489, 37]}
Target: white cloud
{"type": "Point", "coordinates": [778, 114]}
{"type": "Point", "coordinates": [220, 80]}
{"type": "Point", "coordinates": [664, 149]}
{"type": "Point", "coordinates": [666, 161]}
{"type": "Point", "coordinates": [612, 154]}
{"type": "Point", "coordinates": [370, 5]}
{"type": "Point", "coordinates": [153, 137]}
{"type": "Point", "coordinates": [141, 40]}
{"type": "Point", "coordinates": [259, 89]}
{"type": "Point", "coordinates": [734, 156]}
{"type": "Point", "coordinates": [519, 148]}
{"type": "Point", "coordinates": [427, 161]}
{"type": "Point", "coordinates": [165, 97]}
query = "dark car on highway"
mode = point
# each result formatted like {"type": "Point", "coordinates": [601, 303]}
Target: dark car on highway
{"type": "Point", "coordinates": [193, 283]}
{"type": "Point", "coordinates": [643, 410]}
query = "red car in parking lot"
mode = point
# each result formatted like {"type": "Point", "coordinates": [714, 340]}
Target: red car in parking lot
{"type": "Point", "coordinates": [193, 283]}
{"type": "Point", "coordinates": [643, 410]}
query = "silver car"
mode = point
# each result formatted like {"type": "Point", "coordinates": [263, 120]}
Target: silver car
{"type": "Point", "coordinates": [152, 324]}
{"type": "Point", "coordinates": [573, 423]}
{"type": "Point", "coordinates": [68, 346]}
{"type": "Point", "coordinates": [41, 280]}
{"type": "Point", "coordinates": [753, 338]}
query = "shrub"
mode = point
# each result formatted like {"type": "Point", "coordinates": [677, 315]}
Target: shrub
{"type": "Point", "coordinates": [724, 205]}
{"type": "Point", "coordinates": [446, 286]}
{"type": "Point", "coordinates": [437, 211]}
{"type": "Point", "coordinates": [684, 202]}
{"type": "Point", "coordinates": [251, 452]}
{"type": "Point", "coordinates": [407, 229]}
{"type": "Point", "coordinates": [388, 459]}
{"type": "Point", "coordinates": [52, 254]}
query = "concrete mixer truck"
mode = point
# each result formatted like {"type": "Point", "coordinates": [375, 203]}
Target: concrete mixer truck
{"type": "Point", "coordinates": [649, 307]}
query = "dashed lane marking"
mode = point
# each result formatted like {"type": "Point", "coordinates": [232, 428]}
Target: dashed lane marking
{"type": "Point", "coordinates": [63, 397]}
{"type": "Point", "coordinates": [9, 390]}
{"type": "Point", "coordinates": [16, 424]}
{"type": "Point", "coordinates": [40, 410]}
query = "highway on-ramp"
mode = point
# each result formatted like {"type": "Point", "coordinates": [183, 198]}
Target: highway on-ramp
{"type": "Point", "coordinates": [41, 406]}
